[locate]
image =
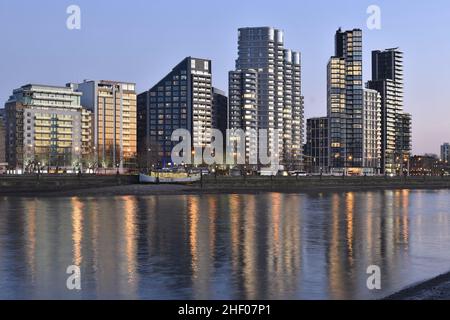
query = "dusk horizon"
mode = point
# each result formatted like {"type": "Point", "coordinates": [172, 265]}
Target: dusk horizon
{"type": "Point", "coordinates": [42, 50]}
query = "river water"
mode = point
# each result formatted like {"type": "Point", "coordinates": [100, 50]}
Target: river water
{"type": "Point", "coordinates": [267, 246]}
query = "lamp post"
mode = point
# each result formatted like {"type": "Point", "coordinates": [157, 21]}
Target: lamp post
{"type": "Point", "coordinates": [149, 159]}
{"type": "Point", "coordinates": [398, 165]}
{"type": "Point", "coordinates": [78, 163]}
{"type": "Point", "coordinates": [193, 158]}
{"type": "Point", "coordinates": [96, 163]}
{"type": "Point", "coordinates": [407, 160]}
{"type": "Point", "coordinates": [350, 158]}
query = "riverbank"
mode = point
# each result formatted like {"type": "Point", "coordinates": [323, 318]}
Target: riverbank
{"type": "Point", "coordinates": [45, 184]}
{"type": "Point", "coordinates": [127, 185]}
{"type": "Point", "coordinates": [434, 289]}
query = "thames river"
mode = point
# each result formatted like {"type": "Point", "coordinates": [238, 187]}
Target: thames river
{"type": "Point", "coordinates": [267, 246]}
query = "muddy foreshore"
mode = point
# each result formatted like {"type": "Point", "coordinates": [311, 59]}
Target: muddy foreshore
{"type": "Point", "coordinates": [435, 289]}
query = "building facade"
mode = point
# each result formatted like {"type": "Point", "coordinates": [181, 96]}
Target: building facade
{"type": "Point", "coordinates": [317, 146]}
{"type": "Point", "coordinates": [403, 140]}
{"type": "Point", "coordinates": [220, 111]}
{"type": "Point", "coordinates": [372, 132]}
{"type": "Point", "coordinates": [45, 129]}
{"type": "Point", "coordinates": [345, 103]}
{"type": "Point", "coordinates": [113, 108]}
{"type": "Point", "coordinates": [426, 165]}
{"type": "Point", "coordinates": [243, 107]}
{"type": "Point", "coordinates": [2, 137]}
{"type": "Point", "coordinates": [445, 152]}
{"type": "Point", "coordinates": [387, 79]}
{"type": "Point", "coordinates": [279, 96]}
{"type": "Point", "coordinates": [181, 100]}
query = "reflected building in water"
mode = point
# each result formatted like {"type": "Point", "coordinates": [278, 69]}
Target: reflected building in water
{"type": "Point", "coordinates": [366, 229]}
{"type": "Point", "coordinates": [268, 246]}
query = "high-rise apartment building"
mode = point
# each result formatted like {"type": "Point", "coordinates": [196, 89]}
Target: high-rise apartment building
{"type": "Point", "coordinates": [403, 137]}
{"type": "Point", "coordinates": [181, 100]}
{"type": "Point", "coordinates": [261, 54]}
{"type": "Point", "coordinates": [317, 146]}
{"type": "Point", "coordinates": [345, 103]}
{"type": "Point", "coordinates": [2, 136]}
{"type": "Point", "coordinates": [445, 152]}
{"type": "Point", "coordinates": [243, 107]}
{"type": "Point", "coordinates": [372, 132]}
{"type": "Point", "coordinates": [113, 108]}
{"type": "Point", "coordinates": [220, 111]}
{"type": "Point", "coordinates": [387, 79]}
{"type": "Point", "coordinates": [47, 127]}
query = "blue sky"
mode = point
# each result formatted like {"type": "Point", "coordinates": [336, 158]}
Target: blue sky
{"type": "Point", "coordinates": [141, 40]}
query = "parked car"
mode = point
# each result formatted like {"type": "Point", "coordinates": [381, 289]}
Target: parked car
{"type": "Point", "coordinates": [268, 173]}
{"type": "Point", "coordinates": [203, 171]}
{"type": "Point", "coordinates": [298, 174]}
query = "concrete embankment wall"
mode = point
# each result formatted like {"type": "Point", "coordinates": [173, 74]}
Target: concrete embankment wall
{"type": "Point", "coordinates": [10, 185]}
{"type": "Point", "coordinates": [48, 183]}
{"type": "Point", "coordinates": [325, 183]}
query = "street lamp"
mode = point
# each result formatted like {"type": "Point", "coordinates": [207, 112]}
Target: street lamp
{"type": "Point", "coordinates": [149, 150]}
{"type": "Point", "coordinates": [350, 158]}
{"type": "Point", "coordinates": [407, 160]}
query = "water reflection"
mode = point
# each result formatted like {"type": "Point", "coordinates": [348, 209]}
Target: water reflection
{"type": "Point", "coordinates": [130, 237]}
{"type": "Point", "coordinates": [30, 238]}
{"type": "Point", "coordinates": [270, 246]}
{"type": "Point", "coordinates": [77, 233]}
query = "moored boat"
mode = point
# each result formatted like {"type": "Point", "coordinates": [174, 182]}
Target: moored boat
{"type": "Point", "coordinates": [165, 177]}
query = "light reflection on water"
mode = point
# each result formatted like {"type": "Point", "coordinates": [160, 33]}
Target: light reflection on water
{"type": "Point", "coordinates": [269, 246]}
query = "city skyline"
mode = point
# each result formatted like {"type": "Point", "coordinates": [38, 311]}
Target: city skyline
{"type": "Point", "coordinates": [144, 63]}
{"type": "Point", "coordinates": [228, 158]}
